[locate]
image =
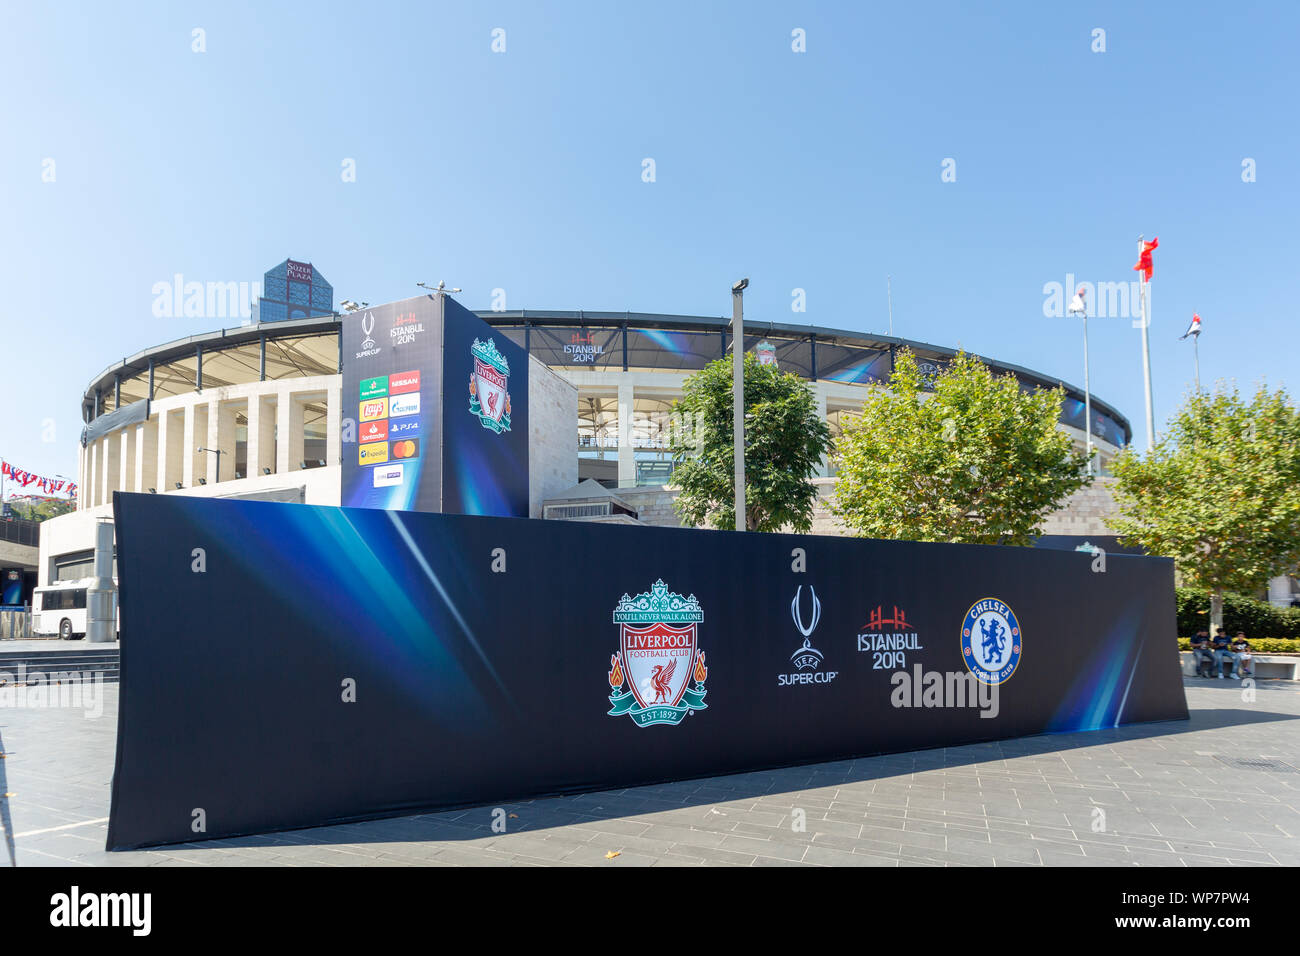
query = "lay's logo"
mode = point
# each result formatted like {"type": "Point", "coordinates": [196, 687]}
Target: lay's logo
{"type": "Point", "coordinates": [374, 409]}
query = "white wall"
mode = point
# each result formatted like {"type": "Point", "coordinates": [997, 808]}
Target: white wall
{"type": "Point", "coordinates": [553, 435]}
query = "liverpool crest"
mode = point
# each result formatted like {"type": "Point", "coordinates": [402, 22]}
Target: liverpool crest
{"type": "Point", "coordinates": [659, 658]}
{"type": "Point", "coordinates": [488, 398]}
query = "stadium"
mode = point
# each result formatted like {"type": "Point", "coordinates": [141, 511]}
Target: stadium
{"type": "Point", "coordinates": [255, 411]}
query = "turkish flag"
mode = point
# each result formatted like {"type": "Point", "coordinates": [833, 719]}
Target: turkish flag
{"type": "Point", "coordinates": [1144, 265]}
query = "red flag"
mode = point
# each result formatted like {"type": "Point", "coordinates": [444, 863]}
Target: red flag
{"type": "Point", "coordinates": [1193, 329]}
{"type": "Point", "coordinates": [1144, 265]}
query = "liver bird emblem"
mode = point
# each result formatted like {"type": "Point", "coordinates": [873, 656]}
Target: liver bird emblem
{"type": "Point", "coordinates": [661, 679]}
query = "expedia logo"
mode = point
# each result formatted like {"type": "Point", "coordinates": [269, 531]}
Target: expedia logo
{"type": "Point", "coordinates": [373, 453]}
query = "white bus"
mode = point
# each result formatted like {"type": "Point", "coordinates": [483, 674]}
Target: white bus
{"type": "Point", "coordinates": [60, 609]}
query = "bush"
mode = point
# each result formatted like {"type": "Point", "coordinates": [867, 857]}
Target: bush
{"type": "Point", "coordinates": [1258, 619]}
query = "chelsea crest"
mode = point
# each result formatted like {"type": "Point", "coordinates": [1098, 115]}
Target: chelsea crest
{"type": "Point", "coordinates": [991, 641]}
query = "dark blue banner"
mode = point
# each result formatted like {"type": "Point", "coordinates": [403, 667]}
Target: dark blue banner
{"type": "Point", "coordinates": [485, 418]}
{"type": "Point", "coordinates": [382, 662]}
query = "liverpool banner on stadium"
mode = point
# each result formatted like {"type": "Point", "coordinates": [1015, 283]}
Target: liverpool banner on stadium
{"type": "Point", "coordinates": [380, 662]}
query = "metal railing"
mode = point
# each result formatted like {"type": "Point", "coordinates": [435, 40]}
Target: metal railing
{"type": "Point", "coordinates": [21, 531]}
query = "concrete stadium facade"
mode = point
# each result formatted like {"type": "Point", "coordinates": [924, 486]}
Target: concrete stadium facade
{"type": "Point", "coordinates": [267, 396]}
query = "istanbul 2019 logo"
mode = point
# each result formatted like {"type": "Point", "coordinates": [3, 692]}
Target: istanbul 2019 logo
{"type": "Point", "coordinates": [658, 657]}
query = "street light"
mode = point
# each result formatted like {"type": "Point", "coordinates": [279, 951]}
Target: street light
{"type": "Point", "coordinates": [738, 395]}
{"type": "Point", "coordinates": [1079, 307]}
{"type": "Point", "coordinates": [218, 452]}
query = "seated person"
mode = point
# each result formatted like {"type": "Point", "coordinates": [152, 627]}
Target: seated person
{"type": "Point", "coordinates": [1223, 652]}
{"type": "Point", "coordinates": [1202, 656]}
{"type": "Point", "coordinates": [1241, 657]}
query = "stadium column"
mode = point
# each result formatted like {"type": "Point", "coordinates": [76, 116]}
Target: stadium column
{"type": "Point", "coordinates": [221, 435]}
{"type": "Point", "coordinates": [146, 456]}
{"type": "Point", "coordinates": [1279, 591]}
{"type": "Point", "coordinates": [164, 484]}
{"type": "Point", "coordinates": [111, 450]}
{"type": "Point", "coordinates": [282, 401]}
{"type": "Point", "coordinates": [288, 431]}
{"type": "Point", "coordinates": [261, 436]}
{"type": "Point", "coordinates": [188, 446]}
{"type": "Point", "coordinates": [626, 454]}
{"type": "Point", "coordinates": [83, 460]}
{"type": "Point", "coordinates": [126, 472]}
{"type": "Point", "coordinates": [171, 455]}
{"type": "Point", "coordinates": [92, 472]}
{"type": "Point", "coordinates": [819, 393]}
{"type": "Point", "coordinates": [333, 425]}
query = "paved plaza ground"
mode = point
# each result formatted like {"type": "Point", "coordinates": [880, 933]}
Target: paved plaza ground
{"type": "Point", "coordinates": [1220, 789]}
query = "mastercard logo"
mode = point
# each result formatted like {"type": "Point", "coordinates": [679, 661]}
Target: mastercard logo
{"type": "Point", "coordinates": [406, 449]}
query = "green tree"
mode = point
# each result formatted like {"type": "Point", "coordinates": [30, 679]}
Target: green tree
{"type": "Point", "coordinates": [41, 510]}
{"type": "Point", "coordinates": [785, 440]}
{"type": "Point", "coordinates": [976, 460]}
{"type": "Point", "coordinates": [1219, 493]}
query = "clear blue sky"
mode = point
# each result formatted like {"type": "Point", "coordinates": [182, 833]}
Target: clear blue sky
{"type": "Point", "coordinates": [522, 170]}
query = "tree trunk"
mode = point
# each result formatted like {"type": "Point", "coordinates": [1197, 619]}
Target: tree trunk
{"type": "Point", "coordinates": [1216, 611]}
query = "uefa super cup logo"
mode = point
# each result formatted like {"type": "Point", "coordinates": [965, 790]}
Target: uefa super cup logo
{"type": "Point", "coordinates": [368, 326]}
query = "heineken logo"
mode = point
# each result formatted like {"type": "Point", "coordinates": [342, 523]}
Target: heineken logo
{"type": "Point", "coordinates": [488, 397]}
{"type": "Point", "coordinates": [659, 658]}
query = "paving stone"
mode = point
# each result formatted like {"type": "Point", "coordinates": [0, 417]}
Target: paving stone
{"type": "Point", "coordinates": [1169, 801]}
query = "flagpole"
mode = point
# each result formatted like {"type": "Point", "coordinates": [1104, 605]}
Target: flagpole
{"type": "Point", "coordinates": [1196, 357]}
{"type": "Point", "coordinates": [1087, 395]}
{"type": "Point", "coordinates": [1146, 351]}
